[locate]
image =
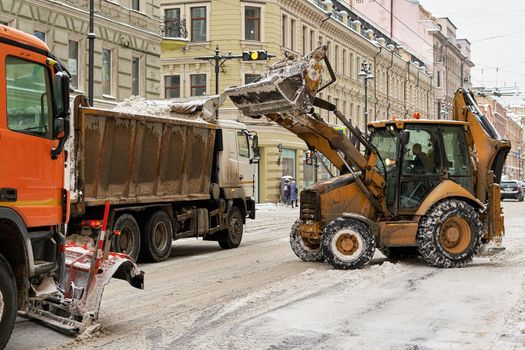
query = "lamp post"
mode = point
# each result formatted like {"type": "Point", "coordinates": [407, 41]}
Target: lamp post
{"type": "Point", "coordinates": [91, 50]}
{"type": "Point", "coordinates": [366, 75]}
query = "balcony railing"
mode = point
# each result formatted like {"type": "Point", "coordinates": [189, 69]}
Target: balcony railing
{"type": "Point", "coordinates": [175, 28]}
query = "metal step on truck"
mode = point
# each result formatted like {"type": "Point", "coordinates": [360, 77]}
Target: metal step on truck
{"type": "Point", "coordinates": [177, 174]}
{"type": "Point", "coordinates": [41, 276]}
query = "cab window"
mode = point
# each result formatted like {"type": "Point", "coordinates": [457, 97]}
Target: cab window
{"type": "Point", "coordinates": [456, 157]}
{"type": "Point", "coordinates": [28, 95]}
{"type": "Point", "coordinates": [242, 142]}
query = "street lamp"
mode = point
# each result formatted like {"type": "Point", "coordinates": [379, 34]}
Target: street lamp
{"type": "Point", "coordinates": [366, 75]}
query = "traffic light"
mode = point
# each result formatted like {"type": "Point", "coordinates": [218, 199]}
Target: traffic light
{"type": "Point", "coordinates": [260, 55]}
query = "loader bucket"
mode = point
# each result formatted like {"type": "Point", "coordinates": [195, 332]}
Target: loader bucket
{"type": "Point", "coordinates": [288, 87]}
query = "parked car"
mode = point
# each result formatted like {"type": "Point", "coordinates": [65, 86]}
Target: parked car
{"type": "Point", "coordinates": [512, 189]}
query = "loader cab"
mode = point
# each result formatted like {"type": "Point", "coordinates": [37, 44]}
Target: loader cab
{"type": "Point", "coordinates": [417, 156]}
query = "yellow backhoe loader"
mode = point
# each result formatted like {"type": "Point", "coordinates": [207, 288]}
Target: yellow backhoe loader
{"type": "Point", "coordinates": [412, 186]}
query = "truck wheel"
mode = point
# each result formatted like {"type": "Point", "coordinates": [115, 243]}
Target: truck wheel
{"type": "Point", "coordinates": [158, 236]}
{"type": "Point", "coordinates": [399, 253]}
{"type": "Point", "coordinates": [128, 241]}
{"type": "Point", "coordinates": [8, 301]}
{"type": "Point", "coordinates": [449, 234]}
{"type": "Point", "coordinates": [231, 238]}
{"type": "Point", "coordinates": [348, 243]}
{"type": "Point", "coordinates": [301, 249]}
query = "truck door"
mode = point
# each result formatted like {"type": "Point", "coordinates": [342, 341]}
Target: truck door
{"type": "Point", "coordinates": [30, 181]}
{"type": "Point", "coordinates": [246, 169]}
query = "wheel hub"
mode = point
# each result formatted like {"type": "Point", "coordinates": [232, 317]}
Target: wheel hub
{"type": "Point", "coordinates": [235, 228]}
{"type": "Point", "coordinates": [455, 235]}
{"type": "Point", "coordinates": [160, 235]}
{"type": "Point", "coordinates": [126, 241]}
{"type": "Point", "coordinates": [347, 244]}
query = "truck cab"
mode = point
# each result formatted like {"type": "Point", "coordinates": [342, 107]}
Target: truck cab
{"type": "Point", "coordinates": [236, 161]}
{"type": "Point", "coordinates": [33, 203]}
{"type": "Point", "coordinates": [41, 276]}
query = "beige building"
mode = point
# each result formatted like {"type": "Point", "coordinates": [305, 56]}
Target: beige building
{"type": "Point", "coordinates": [127, 44]}
{"type": "Point", "coordinates": [400, 86]}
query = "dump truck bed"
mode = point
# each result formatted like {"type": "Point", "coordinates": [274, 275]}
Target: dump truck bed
{"type": "Point", "coordinates": [131, 159]}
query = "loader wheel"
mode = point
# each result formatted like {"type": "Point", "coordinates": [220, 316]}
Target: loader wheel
{"type": "Point", "coordinates": [8, 301]}
{"type": "Point", "coordinates": [348, 243]}
{"type": "Point", "coordinates": [231, 238]}
{"type": "Point", "coordinates": [449, 234]}
{"type": "Point", "coordinates": [399, 253]}
{"type": "Point", "coordinates": [128, 241]}
{"type": "Point", "coordinates": [158, 236]}
{"type": "Point", "coordinates": [303, 250]}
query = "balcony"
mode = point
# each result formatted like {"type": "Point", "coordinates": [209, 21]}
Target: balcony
{"type": "Point", "coordinates": [174, 34]}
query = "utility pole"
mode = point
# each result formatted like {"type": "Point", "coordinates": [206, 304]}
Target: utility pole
{"type": "Point", "coordinates": [218, 60]}
{"type": "Point", "coordinates": [91, 50]}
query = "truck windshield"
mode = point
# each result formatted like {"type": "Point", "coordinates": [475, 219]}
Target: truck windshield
{"type": "Point", "coordinates": [28, 97]}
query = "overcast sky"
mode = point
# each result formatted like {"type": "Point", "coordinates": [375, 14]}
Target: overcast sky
{"type": "Point", "coordinates": [496, 30]}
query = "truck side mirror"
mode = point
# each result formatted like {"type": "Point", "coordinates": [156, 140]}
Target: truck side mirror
{"type": "Point", "coordinates": [59, 128]}
{"type": "Point", "coordinates": [404, 137]}
{"type": "Point", "coordinates": [61, 94]}
{"type": "Point", "coordinates": [255, 147]}
{"type": "Point", "coordinates": [61, 108]}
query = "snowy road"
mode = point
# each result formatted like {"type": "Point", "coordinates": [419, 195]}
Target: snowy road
{"type": "Point", "coordinates": [261, 296]}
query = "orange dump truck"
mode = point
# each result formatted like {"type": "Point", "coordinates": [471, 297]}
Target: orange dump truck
{"type": "Point", "coordinates": [41, 276]}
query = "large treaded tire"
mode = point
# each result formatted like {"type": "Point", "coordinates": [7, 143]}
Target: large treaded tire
{"type": "Point", "coordinates": [337, 250]}
{"type": "Point", "coordinates": [302, 251]}
{"type": "Point", "coordinates": [157, 238]}
{"type": "Point", "coordinates": [8, 301]}
{"type": "Point", "coordinates": [232, 237]}
{"type": "Point", "coordinates": [129, 239]}
{"type": "Point", "coordinates": [430, 245]}
{"type": "Point", "coordinates": [399, 253]}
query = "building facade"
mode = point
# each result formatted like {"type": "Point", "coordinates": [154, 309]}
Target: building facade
{"type": "Point", "coordinates": [429, 38]}
{"type": "Point", "coordinates": [127, 44]}
{"type": "Point", "coordinates": [400, 87]}
{"type": "Point", "coordinates": [452, 64]}
{"type": "Point", "coordinates": [508, 128]}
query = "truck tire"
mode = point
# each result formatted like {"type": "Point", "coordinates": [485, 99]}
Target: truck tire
{"type": "Point", "coordinates": [128, 241]}
{"type": "Point", "coordinates": [304, 252]}
{"type": "Point", "coordinates": [158, 236]}
{"type": "Point", "coordinates": [399, 253]}
{"type": "Point", "coordinates": [231, 238]}
{"type": "Point", "coordinates": [8, 301]}
{"type": "Point", "coordinates": [449, 234]}
{"type": "Point", "coordinates": [348, 243]}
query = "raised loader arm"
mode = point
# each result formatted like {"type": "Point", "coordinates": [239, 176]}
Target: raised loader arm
{"type": "Point", "coordinates": [491, 151]}
{"type": "Point", "coordinates": [286, 95]}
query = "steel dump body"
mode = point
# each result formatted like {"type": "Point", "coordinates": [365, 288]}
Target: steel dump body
{"type": "Point", "coordinates": [138, 159]}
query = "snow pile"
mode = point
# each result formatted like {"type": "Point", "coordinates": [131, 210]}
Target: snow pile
{"type": "Point", "coordinates": [199, 110]}
{"type": "Point", "coordinates": [139, 105]}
